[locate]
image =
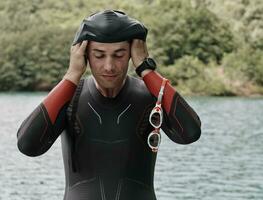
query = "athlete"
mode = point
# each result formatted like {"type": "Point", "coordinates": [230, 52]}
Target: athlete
{"type": "Point", "coordinates": [109, 122]}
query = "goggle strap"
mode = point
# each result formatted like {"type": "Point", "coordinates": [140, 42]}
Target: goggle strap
{"type": "Point", "coordinates": [160, 95]}
{"type": "Point", "coordinates": [158, 104]}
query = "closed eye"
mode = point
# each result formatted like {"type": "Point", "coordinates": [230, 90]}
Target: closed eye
{"type": "Point", "coordinates": [99, 56]}
{"type": "Point", "coordinates": [118, 55]}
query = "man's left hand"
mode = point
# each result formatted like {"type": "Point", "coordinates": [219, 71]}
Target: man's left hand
{"type": "Point", "coordinates": [138, 52]}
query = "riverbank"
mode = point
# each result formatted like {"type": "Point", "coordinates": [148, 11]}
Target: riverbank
{"type": "Point", "coordinates": [211, 82]}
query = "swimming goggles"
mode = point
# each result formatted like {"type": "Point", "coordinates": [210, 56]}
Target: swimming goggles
{"type": "Point", "coordinates": [156, 119]}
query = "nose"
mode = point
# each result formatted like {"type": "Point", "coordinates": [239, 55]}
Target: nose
{"type": "Point", "coordinates": [109, 65]}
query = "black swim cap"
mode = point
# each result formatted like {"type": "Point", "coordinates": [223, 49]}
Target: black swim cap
{"type": "Point", "coordinates": [110, 26]}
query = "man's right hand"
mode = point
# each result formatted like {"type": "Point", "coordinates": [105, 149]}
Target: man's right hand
{"type": "Point", "coordinates": [78, 62]}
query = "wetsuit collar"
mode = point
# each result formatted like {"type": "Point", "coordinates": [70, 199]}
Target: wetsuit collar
{"type": "Point", "coordinates": [108, 101]}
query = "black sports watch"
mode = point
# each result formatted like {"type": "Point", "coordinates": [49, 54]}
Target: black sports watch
{"type": "Point", "coordinates": [148, 63]}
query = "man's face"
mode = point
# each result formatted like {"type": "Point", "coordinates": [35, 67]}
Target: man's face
{"type": "Point", "coordinates": [109, 63]}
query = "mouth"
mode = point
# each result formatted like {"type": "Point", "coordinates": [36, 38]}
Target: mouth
{"type": "Point", "coordinates": [109, 76]}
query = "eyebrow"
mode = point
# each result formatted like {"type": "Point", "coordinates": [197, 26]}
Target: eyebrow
{"type": "Point", "coordinates": [116, 51]}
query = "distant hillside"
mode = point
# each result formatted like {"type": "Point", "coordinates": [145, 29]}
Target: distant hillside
{"type": "Point", "coordinates": [205, 47]}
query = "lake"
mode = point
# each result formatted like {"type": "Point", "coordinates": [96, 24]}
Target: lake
{"type": "Point", "coordinates": [225, 163]}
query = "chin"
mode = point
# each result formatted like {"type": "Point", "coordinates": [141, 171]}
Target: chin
{"type": "Point", "coordinates": [108, 84]}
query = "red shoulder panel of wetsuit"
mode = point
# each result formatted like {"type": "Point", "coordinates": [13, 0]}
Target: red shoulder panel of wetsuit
{"type": "Point", "coordinates": [153, 81]}
{"type": "Point", "coordinates": [59, 95]}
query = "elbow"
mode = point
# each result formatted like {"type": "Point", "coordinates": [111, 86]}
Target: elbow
{"type": "Point", "coordinates": [191, 132]}
{"type": "Point", "coordinates": [187, 136]}
{"type": "Point", "coordinates": [193, 136]}
{"type": "Point", "coordinates": [27, 149]}
{"type": "Point", "coordinates": [30, 140]}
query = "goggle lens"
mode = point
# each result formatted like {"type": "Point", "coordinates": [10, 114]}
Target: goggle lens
{"type": "Point", "coordinates": [154, 140]}
{"type": "Point", "coordinates": [156, 119]}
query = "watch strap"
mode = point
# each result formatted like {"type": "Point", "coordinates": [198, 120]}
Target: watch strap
{"type": "Point", "coordinates": [143, 66]}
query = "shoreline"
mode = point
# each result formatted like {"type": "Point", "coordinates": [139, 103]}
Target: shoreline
{"type": "Point", "coordinates": [253, 95]}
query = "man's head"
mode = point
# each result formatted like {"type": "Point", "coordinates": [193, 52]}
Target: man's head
{"type": "Point", "coordinates": [109, 62]}
{"type": "Point", "coordinates": [108, 33]}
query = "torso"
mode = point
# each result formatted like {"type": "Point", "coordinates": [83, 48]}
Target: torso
{"type": "Point", "coordinates": [114, 161]}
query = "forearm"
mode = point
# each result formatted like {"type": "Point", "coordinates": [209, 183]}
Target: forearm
{"type": "Point", "coordinates": [182, 124]}
{"type": "Point", "coordinates": [58, 97]}
{"type": "Point", "coordinates": [42, 127]}
{"type": "Point", "coordinates": [153, 82]}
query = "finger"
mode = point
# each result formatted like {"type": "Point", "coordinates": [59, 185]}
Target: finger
{"type": "Point", "coordinates": [83, 46]}
{"type": "Point", "coordinates": [75, 47]}
{"type": "Point", "coordinates": [141, 44]}
{"type": "Point", "coordinates": [134, 42]}
{"type": "Point", "coordinates": [145, 48]}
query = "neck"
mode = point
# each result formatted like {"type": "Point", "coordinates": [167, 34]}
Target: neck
{"type": "Point", "coordinates": [110, 92]}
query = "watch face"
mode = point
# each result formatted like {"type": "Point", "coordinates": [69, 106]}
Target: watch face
{"type": "Point", "coordinates": [148, 63]}
{"type": "Point", "coordinates": [151, 62]}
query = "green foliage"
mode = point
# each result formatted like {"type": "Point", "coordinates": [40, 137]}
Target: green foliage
{"type": "Point", "coordinates": [202, 46]}
{"type": "Point", "coordinates": [178, 29]}
{"type": "Point", "coordinates": [247, 63]}
{"type": "Point", "coordinates": [34, 58]}
{"type": "Point", "coordinates": [245, 18]}
{"type": "Point", "coordinates": [194, 77]}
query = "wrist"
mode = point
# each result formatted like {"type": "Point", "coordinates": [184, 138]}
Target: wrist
{"type": "Point", "coordinates": [145, 72]}
{"type": "Point", "coordinates": [147, 64]}
{"type": "Point", "coordinates": [138, 63]}
{"type": "Point", "coordinates": [73, 77]}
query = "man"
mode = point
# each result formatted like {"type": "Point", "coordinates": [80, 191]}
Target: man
{"type": "Point", "coordinates": [109, 122]}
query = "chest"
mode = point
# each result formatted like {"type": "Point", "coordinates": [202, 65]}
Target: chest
{"type": "Point", "coordinates": [108, 124]}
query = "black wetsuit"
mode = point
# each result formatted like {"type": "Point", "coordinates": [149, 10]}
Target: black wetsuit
{"type": "Point", "coordinates": [112, 158]}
